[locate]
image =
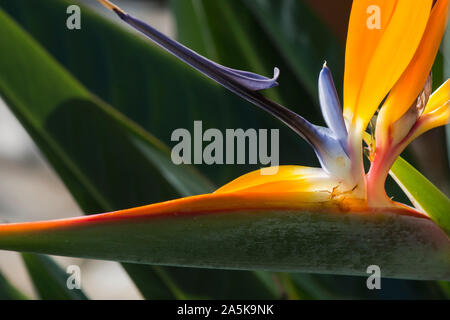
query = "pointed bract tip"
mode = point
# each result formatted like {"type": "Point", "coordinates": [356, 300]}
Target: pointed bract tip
{"type": "Point", "coordinates": [325, 64]}
{"type": "Point", "coordinates": [276, 73]}
{"type": "Point", "coordinates": [110, 5]}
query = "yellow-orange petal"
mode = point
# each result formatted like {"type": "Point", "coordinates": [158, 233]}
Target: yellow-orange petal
{"type": "Point", "coordinates": [361, 44]}
{"type": "Point", "coordinates": [438, 98]}
{"type": "Point", "coordinates": [410, 84]}
{"type": "Point", "coordinates": [305, 178]}
{"type": "Point", "coordinates": [435, 114]}
{"type": "Point", "coordinates": [436, 118]}
{"type": "Point", "coordinates": [376, 58]}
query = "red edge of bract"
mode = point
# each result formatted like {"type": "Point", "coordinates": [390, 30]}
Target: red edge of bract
{"type": "Point", "coordinates": [178, 208]}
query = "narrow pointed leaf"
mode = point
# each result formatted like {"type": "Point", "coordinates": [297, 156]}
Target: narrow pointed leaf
{"type": "Point", "coordinates": [49, 279]}
{"type": "Point", "coordinates": [422, 193]}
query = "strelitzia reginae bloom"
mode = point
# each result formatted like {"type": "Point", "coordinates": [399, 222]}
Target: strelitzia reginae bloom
{"type": "Point", "coordinates": [386, 69]}
{"type": "Point", "coordinates": [388, 66]}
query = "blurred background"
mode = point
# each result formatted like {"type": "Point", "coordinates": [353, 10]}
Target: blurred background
{"type": "Point", "coordinates": [30, 189]}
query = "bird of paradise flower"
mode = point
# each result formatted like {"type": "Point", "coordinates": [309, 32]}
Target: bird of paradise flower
{"type": "Point", "coordinates": [387, 69]}
{"type": "Point", "coordinates": [374, 74]}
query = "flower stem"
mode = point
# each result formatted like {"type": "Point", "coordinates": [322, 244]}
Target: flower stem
{"type": "Point", "coordinates": [357, 166]}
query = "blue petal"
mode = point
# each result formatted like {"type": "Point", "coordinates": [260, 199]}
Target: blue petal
{"type": "Point", "coordinates": [331, 107]}
{"type": "Point", "coordinates": [332, 157]}
{"type": "Point", "coordinates": [217, 72]}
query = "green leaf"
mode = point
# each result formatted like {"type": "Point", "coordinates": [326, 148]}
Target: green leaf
{"type": "Point", "coordinates": [49, 279]}
{"type": "Point", "coordinates": [118, 165]}
{"type": "Point", "coordinates": [402, 246]}
{"type": "Point", "coordinates": [422, 193]}
{"type": "Point", "coordinates": [8, 291]}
